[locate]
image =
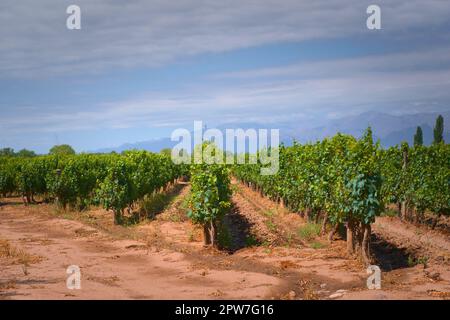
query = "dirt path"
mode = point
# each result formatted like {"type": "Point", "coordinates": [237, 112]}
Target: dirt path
{"type": "Point", "coordinates": [269, 222]}
{"type": "Point", "coordinates": [165, 259]}
{"type": "Point", "coordinates": [418, 241]}
{"type": "Point", "coordinates": [415, 260]}
{"type": "Point", "coordinates": [399, 249]}
{"type": "Point", "coordinates": [111, 269]}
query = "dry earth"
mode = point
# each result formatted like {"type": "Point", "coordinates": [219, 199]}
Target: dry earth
{"type": "Point", "coordinates": [164, 258]}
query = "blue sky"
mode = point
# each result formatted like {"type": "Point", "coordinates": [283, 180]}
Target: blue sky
{"type": "Point", "coordinates": [139, 69]}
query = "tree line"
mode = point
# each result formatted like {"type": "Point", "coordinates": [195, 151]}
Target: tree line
{"type": "Point", "coordinates": [63, 149]}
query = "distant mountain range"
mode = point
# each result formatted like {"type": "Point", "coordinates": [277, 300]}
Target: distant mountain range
{"type": "Point", "coordinates": [389, 129]}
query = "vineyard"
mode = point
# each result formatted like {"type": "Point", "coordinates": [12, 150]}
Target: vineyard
{"type": "Point", "coordinates": [218, 157]}
{"type": "Point", "coordinates": [347, 181]}
{"type": "Point", "coordinates": [339, 185]}
{"type": "Point", "coordinates": [117, 182]}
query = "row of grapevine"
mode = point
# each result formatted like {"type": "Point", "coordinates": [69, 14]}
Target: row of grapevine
{"type": "Point", "coordinates": [27, 176]}
{"type": "Point", "coordinates": [349, 181]}
{"type": "Point", "coordinates": [417, 179]}
{"type": "Point", "coordinates": [115, 181]}
{"type": "Point", "coordinates": [210, 195]}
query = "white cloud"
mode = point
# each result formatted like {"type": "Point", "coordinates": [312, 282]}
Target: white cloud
{"type": "Point", "coordinates": [121, 35]}
{"type": "Point", "coordinates": [141, 33]}
{"type": "Point", "coordinates": [343, 87]}
{"type": "Point", "coordinates": [425, 59]}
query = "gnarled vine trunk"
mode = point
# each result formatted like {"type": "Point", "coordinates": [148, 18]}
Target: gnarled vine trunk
{"type": "Point", "coordinates": [307, 214]}
{"type": "Point", "coordinates": [206, 235]}
{"type": "Point", "coordinates": [417, 217]}
{"type": "Point", "coordinates": [210, 234]}
{"type": "Point", "coordinates": [213, 232]}
{"type": "Point", "coordinates": [358, 240]}
{"type": "Point", "coordinates": [317, 217]}
{"type": "Point", "coordinates": [28, 197]}
{"type": "Point", "coordinates": [333, 232]}
{"type": "Point", "coordinates": [365, 245]}
{"type": "Point", "coordinates": [323, 230]}
{"type": "Point", "coordinates": [351, 237]}
{"type": "Point", "coordinates": [404, 211]}
{"type": "Point", "coordinates": [118, 216]}
{"type": "Point", "coordinates": [282, 203]}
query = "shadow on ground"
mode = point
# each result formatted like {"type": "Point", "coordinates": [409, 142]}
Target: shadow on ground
{"type": "Point", "coordinates": [235, 231]}
{"type": "Point", "coordinates": [387, 256]}
{"type": "Point", "coordinates": [154, 204]}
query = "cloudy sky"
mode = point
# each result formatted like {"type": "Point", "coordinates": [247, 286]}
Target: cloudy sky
{"type": "Point", "coordinates": [138, 69]}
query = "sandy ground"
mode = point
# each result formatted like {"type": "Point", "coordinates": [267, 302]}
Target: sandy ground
{"type": "Point", "coordinates": [165, 259]}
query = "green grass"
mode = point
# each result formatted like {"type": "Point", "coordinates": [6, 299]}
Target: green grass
{"type": "Point", "coordinates": [268, 213]}
{"type": "Point", "coordinates": [289, 239]}
{"type": "Point", "coordinates": [265, 243]}
{"type": "Point", "coordinates": [251, 241]}
{"type": "Point", "coordinates": [389, 213]}
{"type": "Point", "coordinates": [309, 231]}
{"type": "Point", "coordinates": [185, 203]}
{"type": "Point", "coordinates": [272, 226]}
{"type": "Point", "coordinates": [317, 245]}
{"type": "Point", "coordinates": [414, 262]}
{"type": "Point", "coordinates": [154, 204]}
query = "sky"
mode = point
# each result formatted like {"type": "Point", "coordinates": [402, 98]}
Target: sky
{"type": "Point", "coordinates": [139, 69]}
